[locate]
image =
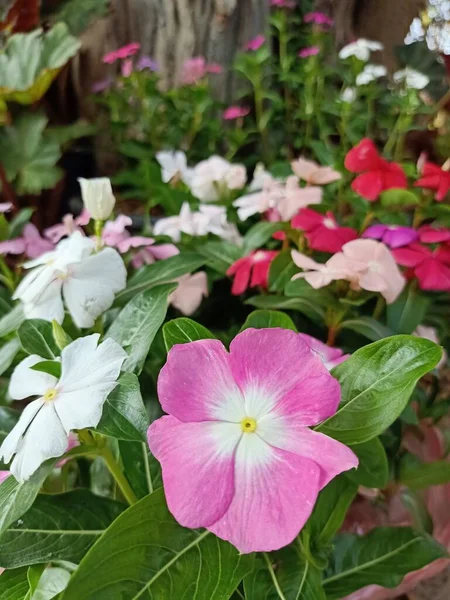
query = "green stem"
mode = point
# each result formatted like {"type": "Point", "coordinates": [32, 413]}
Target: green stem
{"type": "Point", "coordinates": [259, 113]}
{"type": "Point", "coordinates": [379, 307]}
{"type": "Point", "coordinates": [117, 473]}
{"type": "Point", "coordinates": [273, 576]}
{"type": "Point", "coordinates": [98, 228]}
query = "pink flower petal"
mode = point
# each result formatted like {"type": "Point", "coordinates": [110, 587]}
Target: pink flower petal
{"type": "Point", "coordinates": [275, 492]}
{"type": "Point", "coordinates": [134, 242]}
{"type": "Point", "coordinates": [196, 383]}
{"type": "Point", "coordinates": [16, 246]}
{"type": "Point", "coordinates": [198, 467]}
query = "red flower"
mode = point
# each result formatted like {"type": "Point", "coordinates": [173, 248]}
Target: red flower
{"type": "Point", "coordinates": [322, 231]}
{"type": "Point", "coordinates": [435, 178]}
{"type": "Point", "coordinates": [431, 267]}
{"type": "Point", "coordinates": [251, 270]}
{"type": "Point", "coordinates": [433, 235]}
{"type": "Point", "coordinates": [377, 175]}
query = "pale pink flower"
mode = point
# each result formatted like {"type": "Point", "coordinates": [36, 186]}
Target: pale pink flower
{"type": "Point", "coordinates": [319, 275]}
{"type": "Point", "coordinates": [190, 292]}
{"type": "Point", "coordinates": [3, 476]}
{"type": "Point", "coordinates": [296, 197]}
{"type": "Point", "coordinates": [309, 51]}
{"type": "Point", "coordinates": [330, 356]}
{"type": "Point", "coordinates": [72, 442]}
{"type": "Point", "coordinates": [126, 68]}
{"type": "Point", "coordinates": [255, 43]}
{"type": "Point", "coordinates": [121, 53]}
{"type": "Point", "coordinates": [152, 253]}
{"type": "Point", "coordinates": [196, 68]}
{"type": "Point", "coordinates": [235, 112]}
{"type": "Point", "coordinates": [30, 243]}
{"type": "Point", "coordinates": [5, 207]}
{"type": "Point", "coordinates": [67, 227]}
{"type": "Point", "coordinates": [238, 420]}
{"type": "Point", "coordinates": [314, 174]}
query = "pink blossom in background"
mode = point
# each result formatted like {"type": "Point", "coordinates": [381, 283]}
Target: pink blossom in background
{"type": "Point", "coordinates": [296, 197]}
{"type": "Point", "coordinates": [255, 43]}
{"type": "Point", "coordinates": [102, 85]}
{"type": "Point", "coordinates": [290, 4]}
{"type": "Point", "coordinates": [330, 356]}
{"type": "Point", "coordinates": [235, 112]}
{"type": "Point", "coordinates": [430, 333]}
{"type": "Point", "coordinates": [319, 18]}
{"type": "Point", "coordinates": [126, 68]}
{"type": "Point", "coordinates": [433, 235]}
{"type": "Point", "coordinates": [194, 69]}
{"type": "Point", "coordinates": [30, 243]}
{"type": "Point", "coordinates": [121, 53]}
{"type": "Point", "coordinates": [431, 267]}
{"type": "Point", "coordinates": [309, 51]}
{"type": "Point", "coordinates": [190, 292]}
{"type": "Point", "coordinates": [314, 174]}
{"type": "Point", "coordinates": [322, 231]}
{"type": "Point", "coordinates": [251, 270]}
{"type": "Point", "coordinates": [67, 227]}
{"type": "Point", "coordinates": [146, 62]}
{"type": "Point", "coordinates": [393, 236]}
{"type": "Point", "coordinates": [73, 442]}
{"type": "Point", "coordinates": [5, 207]}
{"type": "Point", "coordinates": [214, 68]}
{"type": "Point", "coordinates": [152, 253]}
{"type": "Point", "coordinates": [4, 475]}
{"type": "Point", "coordinates": [215, 469]}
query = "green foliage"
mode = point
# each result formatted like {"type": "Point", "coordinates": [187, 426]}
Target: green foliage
{"type": "Point", "coordinates": [79, 15]}
{"type": "Point", "coordinates": [373, 468]}
{"type": "Point", "coordinates": [36, 337]}
{"type": "Point", "coordinates": [183, 330]}
{"type": "Point", "coordinates": [419, 476]}
{"type": "Point", "coordinates": [260, 319]}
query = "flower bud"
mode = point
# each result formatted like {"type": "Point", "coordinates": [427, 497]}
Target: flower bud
{"type": "Point", "coordinates": [98, 197]}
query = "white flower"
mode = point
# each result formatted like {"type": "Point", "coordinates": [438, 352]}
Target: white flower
{"type": "Point", "coordinates": [370, 73]}
{"type": "Point", "coordinates": [260, 177]}
{"type": "Point", "coordinates": [174, 165]}
{"type": "Point", "coordinates": [212, 178]}
{"type": "Point", "coordinates": [411, 78]}
{"type": "Point", "coordinates": [87, 282]}
{"type": "Point", "coordinates": [361, 49]}
{"type": "Point", "coordinates": [348, 95]}
{"type": "Point", "coordinates": [98, 197]}
{"type": "Point", "coordinates": [88, 374]}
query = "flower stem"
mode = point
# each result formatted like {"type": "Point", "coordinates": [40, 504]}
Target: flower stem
{"type": "Point", "coordinates": [379, 307]}
{"type": "Point", "coordinates": [98, 228]}
{"type": "Point", "coordinates": [117, 473]}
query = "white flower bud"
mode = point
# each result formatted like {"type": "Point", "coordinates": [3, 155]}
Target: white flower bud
{"type": "Point", "coordinates": [98, 197]}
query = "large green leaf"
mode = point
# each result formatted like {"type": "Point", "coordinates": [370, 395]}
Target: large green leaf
{"type": "Point", "coordinates": [183, 330]}
{"type": "Point", "coordinates": [142, 469]}
{"type": "Point", "coordinates": [7, 354]}
{"type": "Point", "coordinates": [261, 319]}
{"type": "Point", "coordinates": [376, 383]}
{"type": "Point", "coordinates": [36, 337]}
{"type": "Point", "coordinates": [14, 584]}
{"type": "Point", "coordinates": [383, 556]}
{"type": "Point", "coordinates": [11, 321]}
{"type": "Point", "coordinates": [60, 527]}
{"type": "Point", "coordinates": [259, 234]}
{"type": "Point", "coordinates": [163, 271]}
{"type": "Point", "coordinates": [145, 553]}
{"type": "Point", "coordinates": [282, 268]}
{"type": "Point", "coordinates": [138, 322]}
{"type": "Point", "coordinates": [219, 255]}
{"type": "Point", "coordinates": [8, 419]}
{"type": "Point", "coordinates": [284, 575]}
{"type": "Point", "coordinates": [373, 468]}
{"type": "Point", "coordinates": [406, 313]}
{"type": "Point", "coordinates": [370, 328]}
{"type": "Point", "coordinates": [124, 416]}
{"type": "Point", "coordinates": [50, 583]}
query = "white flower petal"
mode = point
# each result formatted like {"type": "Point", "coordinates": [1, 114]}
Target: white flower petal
{"type": "Point", "coordinates": [26, 382]}
{"type": "Point", "coordinates": [83, 408]}
{"type": "Point", "coordinates": [97, 196]}
{"type": "Point", "coordinates": [49, 306]}
{"type": "Point", "coordinates": [12, 440]}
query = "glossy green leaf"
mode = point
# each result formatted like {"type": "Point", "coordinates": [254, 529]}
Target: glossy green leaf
{"type": "Point", "coordinates": [260, 319]}
{"type": "Point", "coordinates": [8, 353]}
{"type": "Point", "coordinates": [12, 320]}
{"type": "Point", "coordinates": [51, 583]}
{"type": "Point", "coordinates": [163, 271]}
{"type": "Point", "coordinates": [52, 367]}
{"type": "Point", "coordinates": [145, 553]}
{"type": "Point", "coordinates": [219, 255]}
{"type": "Point", "coordinates": [408, 311]}
{"type": "Point", "coordinates": [14, 584]}
{"type": "Point", "coordinates": [383, 557]}
{"type": "Point", "coordinates": [373, 468]}
{"type": "Point", "coordinates": [283, 575]}
{"type": "Point", "coordinates": [59, 527]}
{"type": "Point", "coordinates": [124, 415]}
{"type": "Point", "coordinates": [8, 419]}
{"type": "Point", "coordinates": [419, 476]}
{"type": "Point", "coordinates": [138, 322]}
{"type": "Point", "coordinates": [183, 330]}
{"type": "Point", "coordinates": [36, 337]}
{"type": "Point", "coordinates": [281, 271]}
{"type": "Point", "coordinates": [259, 234]}
{"type": "Point", "coordinates": [376, 383]}
{"type": "Point", "coordinates": [142, 469]}
{"type": "Point", "coordinates": [307, 306]}
{"type": "Point", "coordinates": [398, 197]}
{"type": "Point", "coordinates": [370, 328]}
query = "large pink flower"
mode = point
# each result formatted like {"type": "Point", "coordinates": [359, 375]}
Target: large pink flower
{"type": "Point", "coordinates": [236, 450]}
{"type": "Point", "coordinates": [322, 231]}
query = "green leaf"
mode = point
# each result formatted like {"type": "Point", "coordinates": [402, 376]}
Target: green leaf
{"type": "Point", "coordinates": [370, 328]}
{"type": "Point", "coordinates": [259, 234]}
{"type": "Point", "coordinates": [419, 476]}
{"type": "Point", "coordinates": [373, 468]}
{"type": "Point", "coordinates": [307, 306]}
{"type": "Point", "coordinates": [260, 319]}
{"type": "Point", "coordinates": [18, 222]}
{"type": "Point", "coordinates": [8, 419]}
{"type": "Point", "coordinates": [16, 498]}
{"type": "Point", "coordinates": [124, 416]}
{"type": "Point", "coordinates": [383, 557]}
{"type": "Point", "coordinates": [52, 367]}
{"type": "Point", "coordinates": [163, 271]}
{"type": "Point", "coordinates": [406, 313]}
{"type": "Point", "coordinates": [376, 383]}
{"type": "Point", "coordinates": [330, 510]}
{"type": "Point", "coordinates": [64, 134]}
{"type": "Point", "coordinates": [8, 353]}
{"type": "Point", "coordinates": [138, 322]}
{"type": "Point", "coordinates": [219, 255]}
{"type": "Point", "coordinates": [36, 337]}
{"type": "Point", "coordinates": [14, 584]}
{"type": "Point", "coordinates": [59, 527]}
{"type": "Point", "coordinates": [281, 271]}
{"type": "Point", "coordinates": [398, 197]}
{"type": "Point", "coordinates": [79, 14]}
{"type": "Point", "coordinates": [283, 575]}
{"type": "Point", "coordinates": [183, 330]}
{"type": "Point", "coordinates": [51, 583]}
{"type": "Point", "coordinates": [11, 321]}
{"type": "Point", "coordinates": [145, 552]}
{"type": "Point", "coordinates": [141, 467]}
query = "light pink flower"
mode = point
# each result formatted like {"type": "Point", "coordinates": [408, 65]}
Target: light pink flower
{"type": "Point", "coordinates": [235, 112]}
{"type": "Point", "coordinates": [319, 275]}
{"type": "Point", "coordinates": [309, 51]}
{"type": "Point", "coordinates": [314, 174]}
{"type": "Point", "coordinates": [30, 243]}
{"type": "Point", "coordinates": [5, 207]}
{"type": "Point", "coordinates": [126, 67]}
{"type": "Point", "coordinates": [121, 53]}
{"type": "Point", "coordinates": [195, 68]}
{"type": "Point", "coordinates": [255, 43]}
{"type": "Point", "coordinates": [67, 227]}
{"type": "Point", "coordinates": [239, 421]}
{"type": "Point", "coordinates": [190, 292]}
{"type": "Point", "coordinates": [72, 442]}
{"type": "Point", "coordinates": [330, 356]}
{"type": "Point", "coordinates": [150, 254]}
{"type": "Point", "coordinates": [4, 475]}
{"type": "Point", "coordinates": [430, 333]}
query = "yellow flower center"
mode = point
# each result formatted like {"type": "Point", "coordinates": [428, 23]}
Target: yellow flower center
{"type": "Point", "coordinates": [248, 425]}
{"type": "Point", "coordinates": [50, 394]}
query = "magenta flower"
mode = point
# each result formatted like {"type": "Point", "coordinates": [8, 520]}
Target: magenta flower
{"type": "Point", "coordinates": [394, 236]}
{"type": "Point", "coordinates": [235, 112]}
{"type": "Point", "coordinates": [290, 4]}
{"type": "Point", "coordinates": [236, 450]}
{"type": "Point", "coordinates": [322, 231]}
{"type": "Point", "coordinates": [255, 43]}
{"type": "Point", "coordinates": [309, 51]}
{"type": "Point", "coordinates": [318, 18]}
{"type": "Point", "coordinates": [30, 243]}
{"type": "Point", "coordinates": [331, 357]}
{"type": "Point", "coordinates": [194, 69]}
{"type": "Point", "coordinates": [251, 271]}
{"type": "Point", "coordinates": [121, 53]}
